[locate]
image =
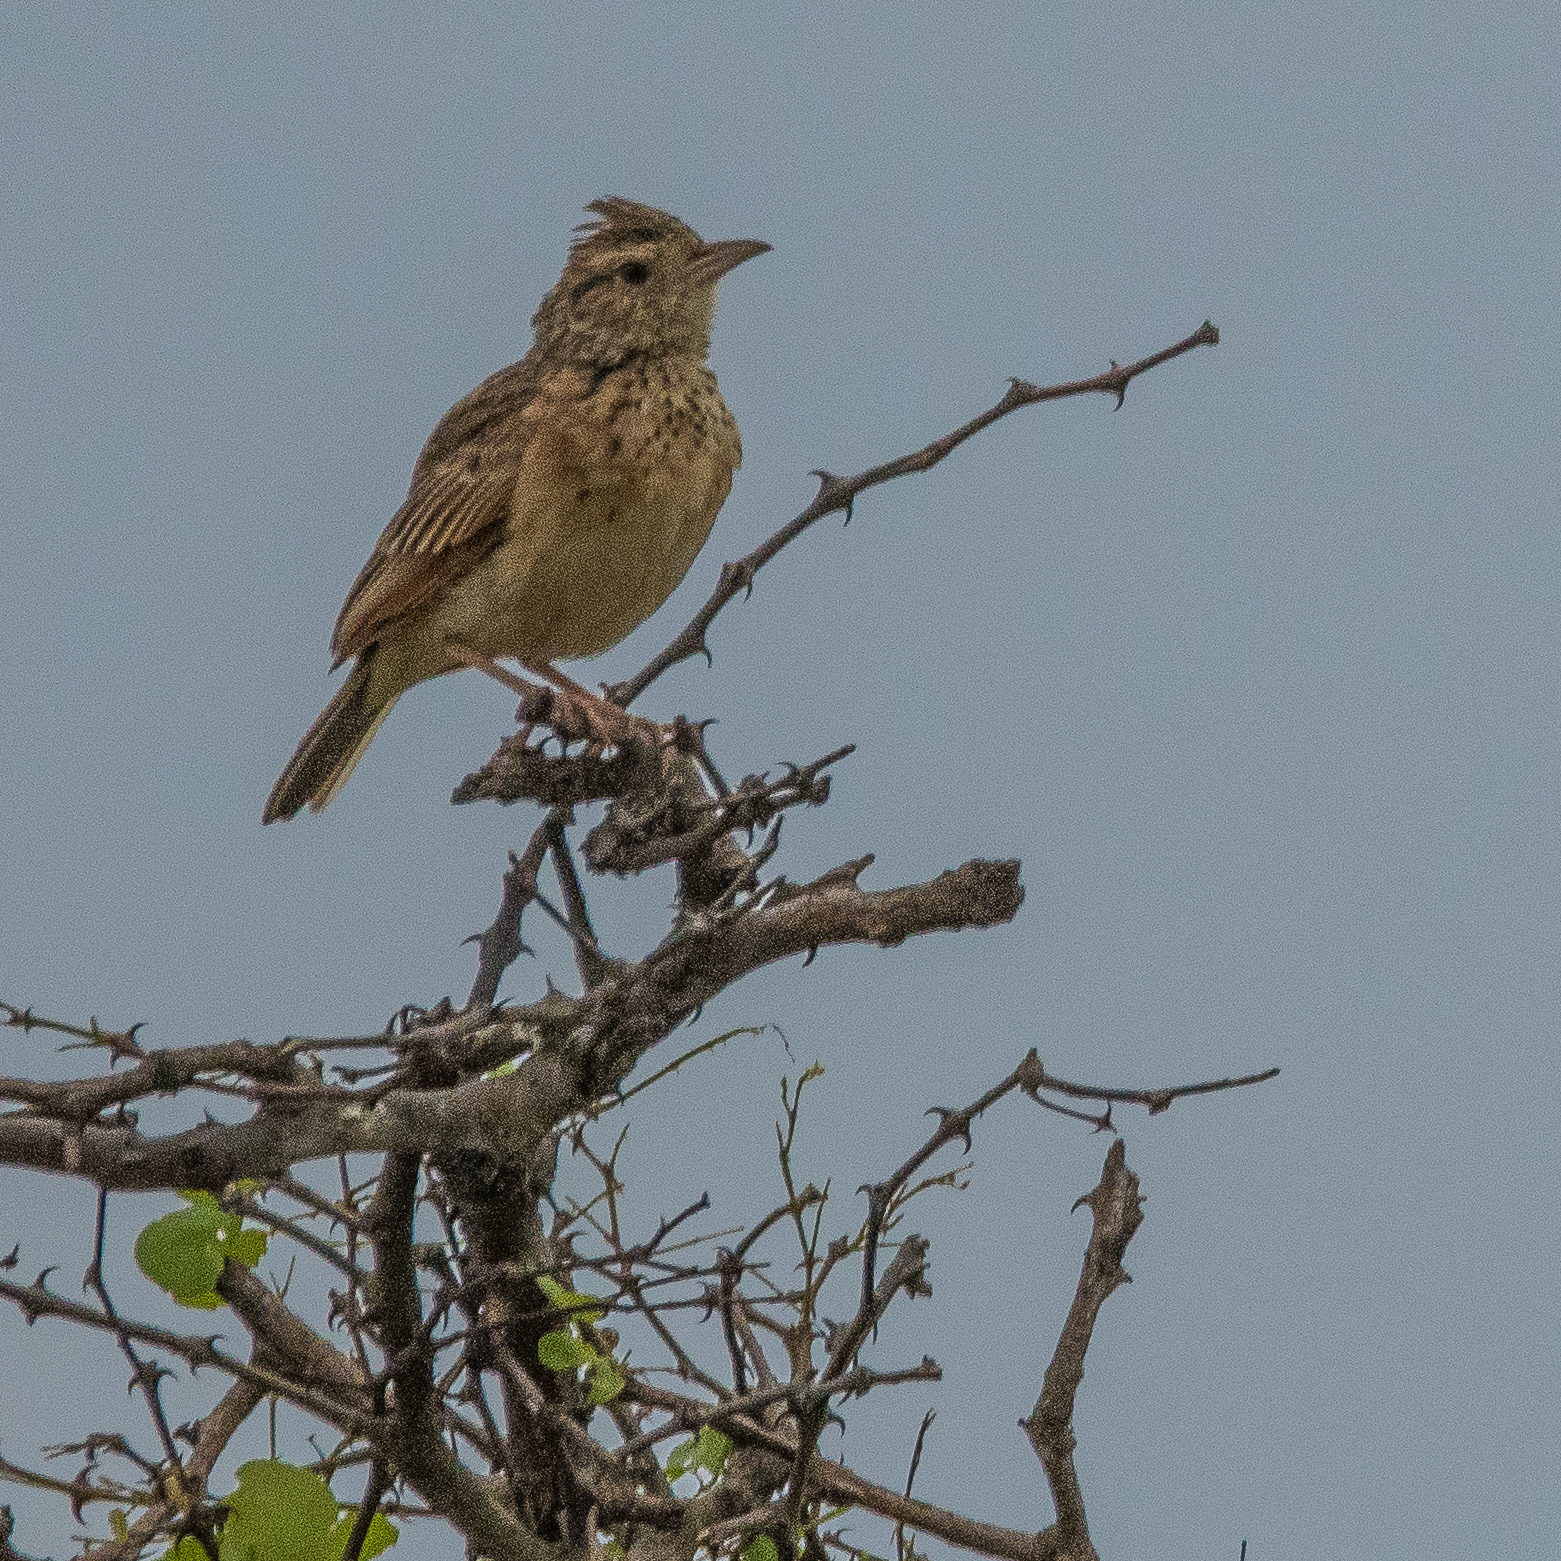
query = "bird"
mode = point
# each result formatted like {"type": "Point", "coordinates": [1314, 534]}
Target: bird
{"type": "Point", "coordinates": [555, 507]}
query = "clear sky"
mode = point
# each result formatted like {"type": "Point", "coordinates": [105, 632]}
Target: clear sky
{"type": "Point", "coordinates": [1258, 675]}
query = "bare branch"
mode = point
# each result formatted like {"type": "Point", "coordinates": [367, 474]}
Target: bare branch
{"type": "Point", "coordinates": [589, 959]}
{"type": "Point", "coordinates": [373, 1494]}
{"type": "Point", "coordinates": [501, 945]}
{"type": "Point", "coordinates": [900, 1546]}
{"type": "Point", "coordinates": [1118, 1213]}
{"type": "Point", "coordinates": [840, 493]}
{"type": "Point", "coordinates": [145, 1375]}
{"type": "Point", "coordinates": [622, 1018]}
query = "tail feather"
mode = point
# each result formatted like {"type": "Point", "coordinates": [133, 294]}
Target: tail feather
{"type": "Point", "coordinates": [332, 746]}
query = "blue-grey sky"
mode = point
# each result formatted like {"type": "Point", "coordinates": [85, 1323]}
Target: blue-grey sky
{"type": "Point", "coordinates": [1257, 675]}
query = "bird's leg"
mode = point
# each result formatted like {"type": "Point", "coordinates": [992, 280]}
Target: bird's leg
{"type": "Point", "coordinates": [577, 712]}
{"type": "Point", "coordinates": [468, 657]}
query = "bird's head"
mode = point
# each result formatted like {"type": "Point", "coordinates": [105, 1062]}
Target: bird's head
{"type": "Point", "coordinates": [637, 282]}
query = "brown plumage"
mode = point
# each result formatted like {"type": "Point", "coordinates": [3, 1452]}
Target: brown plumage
{"type": "Point", "coordinates": [555, 507]}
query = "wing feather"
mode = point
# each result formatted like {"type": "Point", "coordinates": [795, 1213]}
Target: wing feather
{"type": "Point", "coordinates": [454, 514]}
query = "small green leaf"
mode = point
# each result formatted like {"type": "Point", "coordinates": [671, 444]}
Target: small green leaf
{"type": "Point", "coordinates": [180, 1254]}
{"type": "Point", "coordinates": [761, 1548]}
{"type": "Point", "coordinates": [606, 1381]}
{"type": "Point", "coordinates": [191, 1549]}
{"type": "Point", "coordinates": [279, 1513]}
{"type": "Point", "coordinates": [244, 1246]}
{"type": "Point", "coordinates": [282, 1513]}
{"type": "Point", "coordinates": [382, 1535]}
{"type": "Point", "coordinates": [711, 1449]}
{"type": "Point", "coordinates": [183, 1252]}
{"type": "Point", "coordinates": [563, 1351]}
{"type": "Point", "coordinates": [586, 1308]}
{"type": "Point", "coordinates": [708, 1451]}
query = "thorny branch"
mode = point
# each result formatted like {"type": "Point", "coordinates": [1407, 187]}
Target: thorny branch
{"type": "Point", "coordinates": [837, 494]}
{"type": "Point", "coordinates": [510, 1353]}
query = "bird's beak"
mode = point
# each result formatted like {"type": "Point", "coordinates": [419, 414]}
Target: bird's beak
{"type": "Point", "coordinates": [712, 261]}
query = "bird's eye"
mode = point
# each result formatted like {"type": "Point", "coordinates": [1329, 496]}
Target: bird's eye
{"type": "Point", "coordinates": [635, 273]}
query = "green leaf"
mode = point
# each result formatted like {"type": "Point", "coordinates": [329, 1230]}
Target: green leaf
{"type": "Point", "coordinates": [245, 1246]}
{"type": "Point", "coordinates": [563, 1351]}
{"type": "Point", "coordinates": [179, 1254]}
{"type": "Point", "coordinates": [183, 1252]}
{"type": "Point", "coordinates": [586, 1308]}
{"type": "Point", "coordinates": [761, 1548]}
{"type": "Point", "coordinates": [606, 1381]}
{"type": "Point", "coordinates": [281, 1513]}
{"type": "Point", "coordinates": [190, 1549]}
{"type": "Point", "coordinates": [382, 1535]}
{"type": "Point", "coordinates": [711, 1449]}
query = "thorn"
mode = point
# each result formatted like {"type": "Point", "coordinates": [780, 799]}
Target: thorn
{"type": "Point", "coordinates": [812, 955]}
{"type": "Point", "coordinates": [946, 1116]}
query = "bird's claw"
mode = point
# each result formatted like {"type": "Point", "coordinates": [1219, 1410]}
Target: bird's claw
{"type": "Point", "coordinates": [572, 718]}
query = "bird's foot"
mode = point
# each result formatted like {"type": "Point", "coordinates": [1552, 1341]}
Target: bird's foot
{"type": "Point", "coordinates": [577, 715]}
{"type": "Point", "coordinates": [573, 713]}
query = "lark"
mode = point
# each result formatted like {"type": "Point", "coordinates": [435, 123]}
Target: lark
{"type": "Point", "coordinates": [555, 507]}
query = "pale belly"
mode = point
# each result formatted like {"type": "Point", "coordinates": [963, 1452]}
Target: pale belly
{"type": "Point", "coordinates": [582, 570]}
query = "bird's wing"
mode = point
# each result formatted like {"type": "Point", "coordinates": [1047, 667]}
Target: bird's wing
{"type": "Point", "coordinates": [454, 513]}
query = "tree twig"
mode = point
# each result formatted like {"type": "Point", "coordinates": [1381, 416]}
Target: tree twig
{"type": "Point", "coordinates": [1118, 1212]}
{"type": "Point", "coordinates": [840, 494]}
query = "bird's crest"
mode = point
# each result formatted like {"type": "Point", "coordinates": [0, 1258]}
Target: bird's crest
{"type": "Point", "coordinates": [620, 221]}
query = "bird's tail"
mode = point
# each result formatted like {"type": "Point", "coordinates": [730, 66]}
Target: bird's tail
{"type": "Point", "coordinates": [333, 745]}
